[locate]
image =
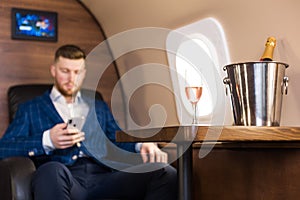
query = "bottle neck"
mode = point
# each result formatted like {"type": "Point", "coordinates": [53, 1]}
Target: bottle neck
{"type": "Point", "coordinates": [269, 49]}
{"type": "Point", "coordinates": [268, 54]}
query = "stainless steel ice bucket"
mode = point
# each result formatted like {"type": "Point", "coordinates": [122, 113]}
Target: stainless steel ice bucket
{"type": "Point", "coordinates": [256, 90]}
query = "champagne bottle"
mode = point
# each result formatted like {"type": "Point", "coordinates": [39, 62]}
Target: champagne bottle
{"type": "Point", "coordinates": [269, 49]}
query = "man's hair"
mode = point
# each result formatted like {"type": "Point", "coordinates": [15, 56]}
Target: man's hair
{"type": "Point", "coordinates": [69, 51]}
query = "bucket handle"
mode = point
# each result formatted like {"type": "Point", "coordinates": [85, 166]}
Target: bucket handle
{"type": "Point", "coordinates": [226, 81]}
{"type": "Point", "coordinates": [284, 86]}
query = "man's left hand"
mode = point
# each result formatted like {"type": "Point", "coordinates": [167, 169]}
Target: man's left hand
{"type": "Point", "coordinates": [151, 153]}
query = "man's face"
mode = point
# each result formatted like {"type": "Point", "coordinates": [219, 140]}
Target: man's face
{"type": "Point", "coordinates": [68, 75]}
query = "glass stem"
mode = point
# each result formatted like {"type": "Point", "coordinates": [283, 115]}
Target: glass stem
{"type": "Point", "coordinates": [195, 113]}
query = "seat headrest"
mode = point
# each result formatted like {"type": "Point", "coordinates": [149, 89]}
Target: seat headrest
{"type": "Point", "coordinates": [21, 93]}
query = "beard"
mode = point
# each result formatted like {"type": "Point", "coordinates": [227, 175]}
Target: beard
{"type": "Point", "coordinates": [67, 92]}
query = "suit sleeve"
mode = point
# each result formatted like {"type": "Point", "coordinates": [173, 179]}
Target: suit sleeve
{"type": "Point", "coordinates": [18, 140]}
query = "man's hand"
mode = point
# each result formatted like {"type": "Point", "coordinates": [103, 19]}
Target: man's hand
{"type": "Point", "coordinates": [151, 153]}
{"type": "Point", "coordinates": [64, 138]}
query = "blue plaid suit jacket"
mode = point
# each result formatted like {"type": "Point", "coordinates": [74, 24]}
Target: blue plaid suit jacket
{"type": "Point", "coordinates": [23, 137]}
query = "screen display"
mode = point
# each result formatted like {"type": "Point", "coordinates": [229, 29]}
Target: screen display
{"type": "Point", "coordinates": [34, 25]}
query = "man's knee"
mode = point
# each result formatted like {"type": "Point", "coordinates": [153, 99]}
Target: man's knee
{"type": "Point", "coordinates": [51, 168]}
{"type": "Point", "coordinates": [171, 175]}
{"type": "Point", "coordinates": [52, 172]}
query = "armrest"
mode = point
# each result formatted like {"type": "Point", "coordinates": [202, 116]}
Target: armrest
{"type": "Point", "coordinates": [15, 181]}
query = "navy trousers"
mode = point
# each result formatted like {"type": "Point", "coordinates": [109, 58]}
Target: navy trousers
{"type": "Point", "coordinates": [87, 179]}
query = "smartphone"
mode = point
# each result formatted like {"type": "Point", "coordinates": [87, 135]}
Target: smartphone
{"type": "Point", "coordinates": [76, 122]}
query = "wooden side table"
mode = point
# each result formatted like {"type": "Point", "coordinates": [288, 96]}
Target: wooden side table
{"type": "Point", "coordinates": [185, 136]}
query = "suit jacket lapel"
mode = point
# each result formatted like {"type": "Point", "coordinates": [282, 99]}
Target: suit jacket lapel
{"type": "Point", "coordinates": [49, 109]}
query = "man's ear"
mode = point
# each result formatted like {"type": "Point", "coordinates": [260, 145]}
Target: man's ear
{"type": "Point", "coordinates": [52, 70]}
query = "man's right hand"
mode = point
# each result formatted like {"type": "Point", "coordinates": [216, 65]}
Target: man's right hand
{"type": "Point", "coordinates": [63, 138]}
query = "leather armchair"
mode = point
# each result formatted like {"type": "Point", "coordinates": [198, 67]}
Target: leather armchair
{"type": "Point", "coordinates": [16, 172]}
{"type": "Point", "coordinates": [15, 178]}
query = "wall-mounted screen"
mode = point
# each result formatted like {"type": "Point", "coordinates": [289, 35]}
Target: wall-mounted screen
{"type": "Point", "coordinates": [34, 25]}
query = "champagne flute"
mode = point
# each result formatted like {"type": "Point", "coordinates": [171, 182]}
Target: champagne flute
{"type": "Point", "coordinates": [193, 91]}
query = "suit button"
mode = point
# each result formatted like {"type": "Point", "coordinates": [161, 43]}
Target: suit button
{"type": "Point", "coordinates": [74, 157]}
{"type": "Point", "coordinates": [31, 153]}
{"type": "Point", "coordinates": [78, 144]}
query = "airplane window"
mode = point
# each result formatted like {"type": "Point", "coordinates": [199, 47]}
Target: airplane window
{"type": "Point", "coordinates": [200, 46]}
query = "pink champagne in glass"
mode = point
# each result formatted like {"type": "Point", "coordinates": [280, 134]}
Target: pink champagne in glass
{"type": "Point", "coordinates": [193, 93]}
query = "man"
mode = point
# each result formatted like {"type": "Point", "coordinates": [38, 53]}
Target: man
{"type": "Point", "coordinates": [70, 162]}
